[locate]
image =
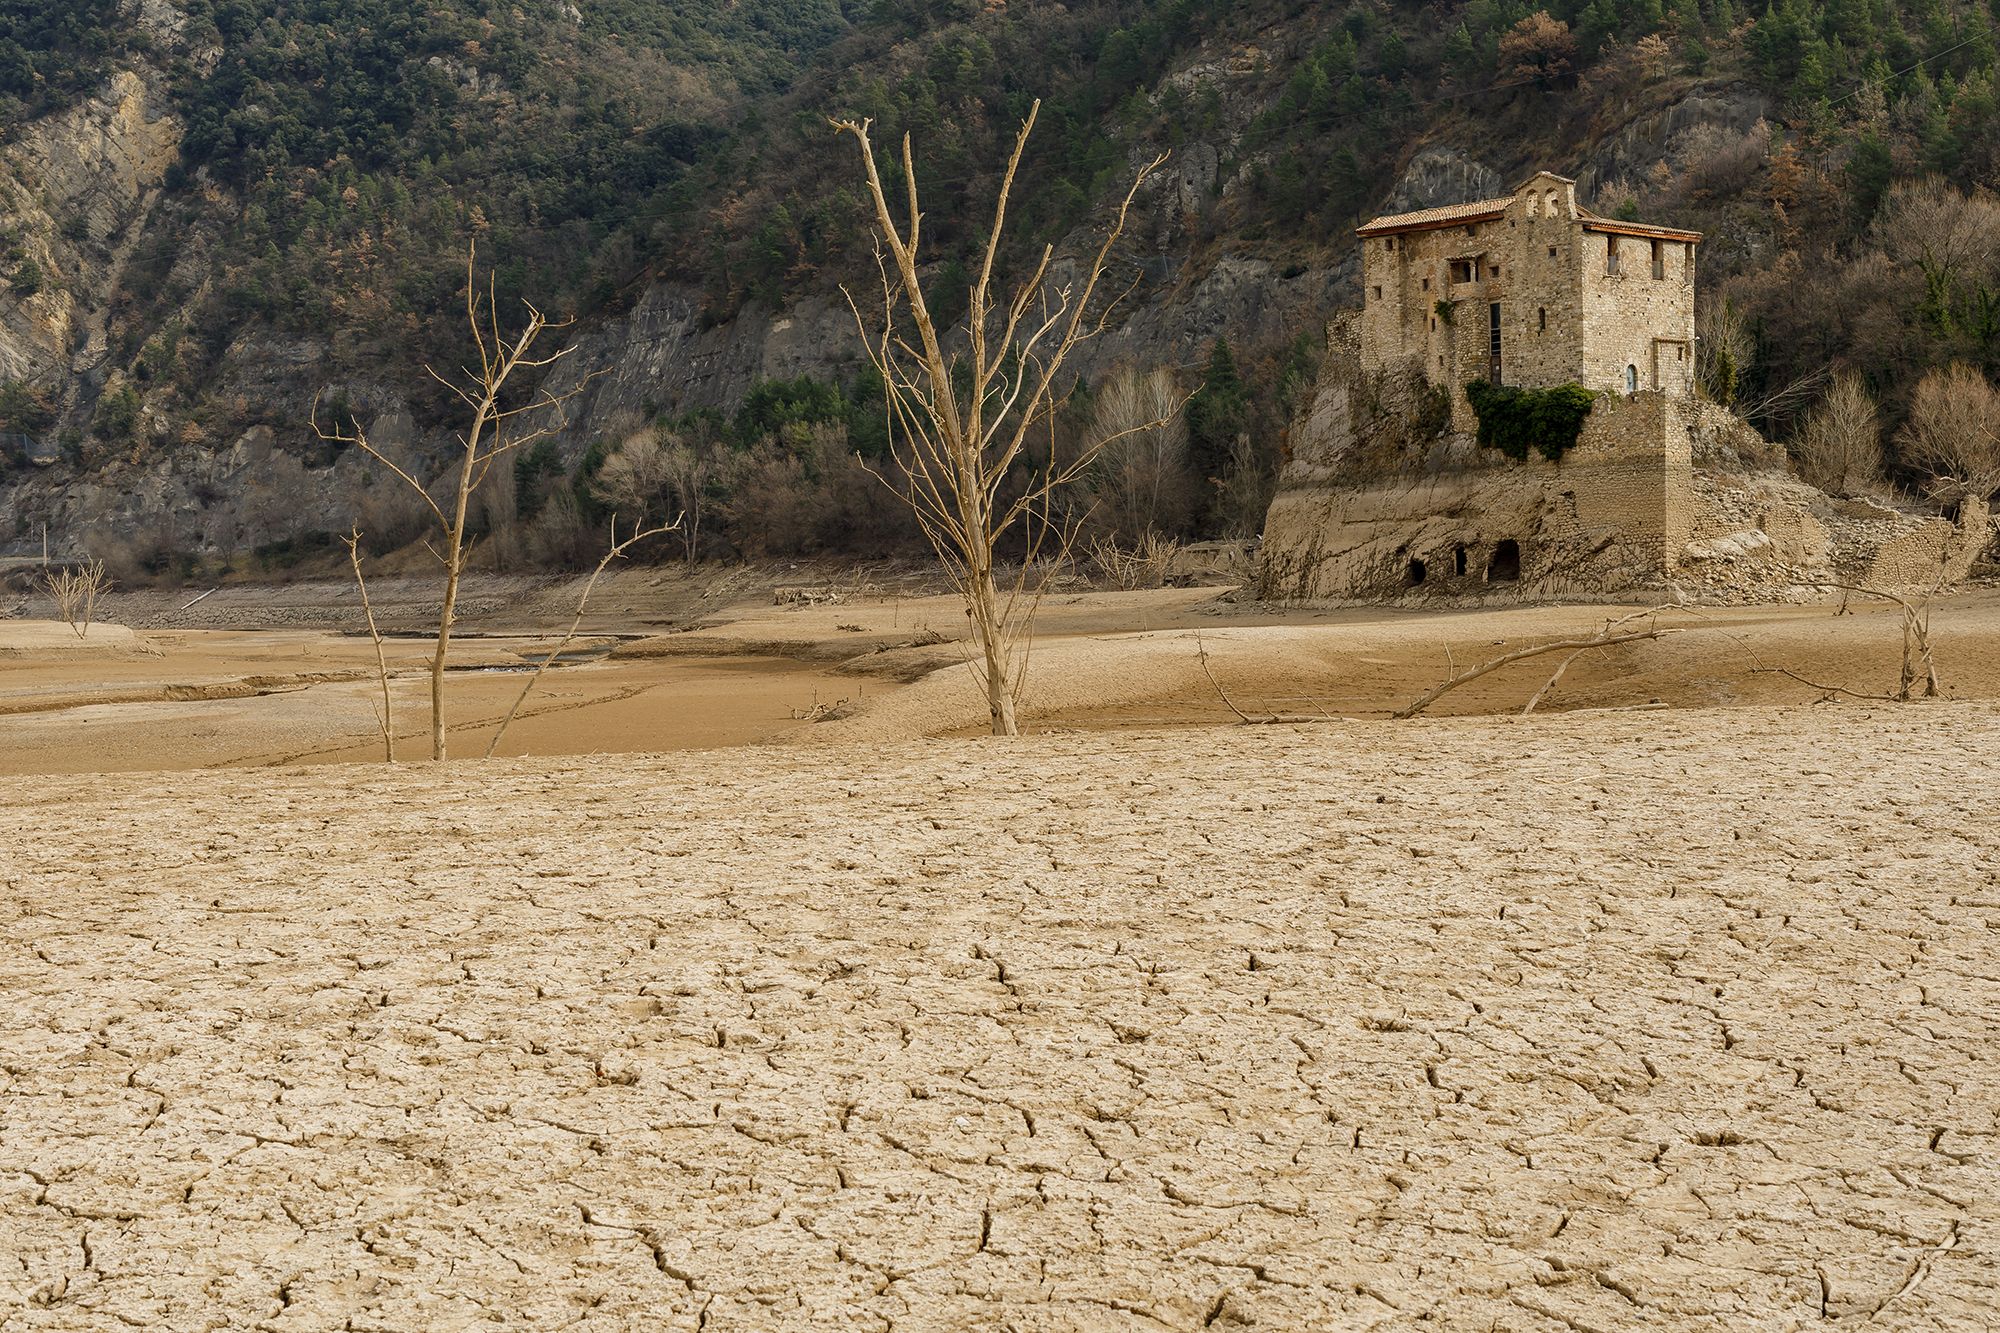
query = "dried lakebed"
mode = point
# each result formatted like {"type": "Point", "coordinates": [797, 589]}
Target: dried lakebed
{"type": "Point", "coordinates": [1672, 1020]}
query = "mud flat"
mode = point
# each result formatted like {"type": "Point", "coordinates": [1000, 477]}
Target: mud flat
{"type": "Point", "coordinates": [1592, 1021]}
{"type": "Point", "coordinates": [655, 672]}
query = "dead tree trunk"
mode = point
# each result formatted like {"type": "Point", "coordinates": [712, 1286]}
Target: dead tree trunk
{"type": "Point", "coordinates": [956, 436]}
{"type": "Point", "coordinates": [490, 436]}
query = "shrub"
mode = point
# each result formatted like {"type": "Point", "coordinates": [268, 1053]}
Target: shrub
{"type": "Point", "coordinates": [1514, 420]}
{"type": "Point", "coordinates": [1840, 449]}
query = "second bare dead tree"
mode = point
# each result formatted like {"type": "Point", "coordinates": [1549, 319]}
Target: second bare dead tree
{"type": "Point", "coordinates": [495, 431]}
{"type": "Point", "coordinates": [961, 420]}
{"type": "Point", "coordinates": [75, 590]}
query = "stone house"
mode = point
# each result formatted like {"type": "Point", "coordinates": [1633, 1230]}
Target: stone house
{"type": "Point", "coordinates": [1532, 290]}
{"type": "Point", "coordinates": [1529, 289]}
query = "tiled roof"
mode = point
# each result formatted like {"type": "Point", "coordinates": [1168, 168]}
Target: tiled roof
{"type": "Point", "coordinates": [1597, 222]}
{"type": "Point", "coordinates": [1437, 217]}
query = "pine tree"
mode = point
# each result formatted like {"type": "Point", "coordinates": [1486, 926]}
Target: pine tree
{"type": "Point", "coordinates": [1216, 416]}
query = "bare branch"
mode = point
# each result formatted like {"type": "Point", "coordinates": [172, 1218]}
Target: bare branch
{"type": "Point", "coordinates": [384, 718]}
{"type": "Point", "coordinates": [617, 552]}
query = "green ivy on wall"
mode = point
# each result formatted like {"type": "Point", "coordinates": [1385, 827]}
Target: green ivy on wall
{"type": "Point", "coordinates": [1514, 420]}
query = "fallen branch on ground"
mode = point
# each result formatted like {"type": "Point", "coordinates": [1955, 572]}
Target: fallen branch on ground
{"type": "Point", "coordinates": [1604, 638]}
{"type": "Point", "coordinates": [1272, 719]}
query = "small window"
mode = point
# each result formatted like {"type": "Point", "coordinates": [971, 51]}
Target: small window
{"type": "Point", "coordinates": [1496, 270]}
{"type": "Point", "coordinates": [1505, 566]}
{"type": "Point", "coordinates": [1388, 243]}
{"type": "Point", "coordinates": [1434, 323]}
{"type": "Point", "coordinates": [1631, 379]}
{"type": "Point", "coordinates": [1377, 291]}
{"type": "Point", "coordinates": [1542, 319]}
{"type": "Point", "coordinates": [1611, 255]}
{"type": "Point", "coordinates": [1460, 559]}
{"type": "Point", "coordinates": [1552, 252]}
{"type": "Point", "coordinates": [1440, 363]}
{"type": "Point", "coordinates": [1659, 260]}
{"type": "Point", "coordinates": [1427, 284]}
{"type": "Point", "coordinates": [1462, 270]}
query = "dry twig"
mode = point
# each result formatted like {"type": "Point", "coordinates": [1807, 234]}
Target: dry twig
{"type": "Point", "coordinates": [382, 719]}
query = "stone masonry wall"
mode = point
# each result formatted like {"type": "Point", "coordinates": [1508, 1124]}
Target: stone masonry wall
{"type": "Point", "coordinates": [1562, 317]}
{"type": "Point", "coordinates": [1613, 514]}
{"type": "Point", "coordinates": [1632, 319]}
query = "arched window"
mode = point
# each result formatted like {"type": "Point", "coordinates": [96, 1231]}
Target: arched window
{"type": "Point", "coordinates": [1631, 379]}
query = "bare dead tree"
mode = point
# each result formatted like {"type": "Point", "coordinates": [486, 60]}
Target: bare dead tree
{"type": "Point", "coordinates": [1953, 434]}
{"type": "Point", "coordinates": [75, 590]}
{"type": "Point", "coordinates": [1146, 564]}
{"type": "Point", "coordinates": [1919, 663]}
{"type": "Point", "coordinates": [961, 424]}
{"type": "Point", "coordinates": [495, 431]}
{"type": "Point", "coordinates": [383, 719]}
{"type": "Point", "coordinates": [617, 551]}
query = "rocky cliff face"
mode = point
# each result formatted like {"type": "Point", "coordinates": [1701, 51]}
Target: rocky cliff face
{"type": "Point", "coordinates": [75, 195]}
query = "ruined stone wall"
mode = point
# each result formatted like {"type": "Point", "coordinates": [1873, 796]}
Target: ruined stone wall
{"type": "Point", "coordinates": [1632, 472]}
{"type": "Point", "coordinates": [1930, 551]}
{"type": "Point", "coordinates": [1405, 278]}
{"type": "Point", "coordinates": [1446, 534]}
{"type": "Point", "coordinates": [1613, 514]}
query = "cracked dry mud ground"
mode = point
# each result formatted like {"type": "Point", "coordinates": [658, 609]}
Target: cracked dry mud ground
{"type": "Point", "coordinates": [1661, 1021]}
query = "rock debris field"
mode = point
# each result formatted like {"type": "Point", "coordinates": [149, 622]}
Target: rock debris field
{"type": "Point", "coordinates": [1603, 1021]}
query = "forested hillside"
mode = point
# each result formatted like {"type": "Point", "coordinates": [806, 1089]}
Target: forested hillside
{"type": "Point", "coordinates": [619, 158]}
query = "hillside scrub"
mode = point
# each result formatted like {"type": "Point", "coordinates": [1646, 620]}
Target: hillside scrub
{"type": "Point", "coordinates": [339, 152]}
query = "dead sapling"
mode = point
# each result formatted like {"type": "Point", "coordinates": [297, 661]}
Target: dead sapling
{"type": "Point", "coordinates": [1917, 676]}
{"type": "Point", "coordinates": [617, 552]}
{"type": "Point", "coordinates": [75, 590]}
{"type": "Point", "coordinates": [960, 420]}
{"type": "Point", "coordinates": [383, 718]}
{"type": "Point", "coordinates": [495, 431]}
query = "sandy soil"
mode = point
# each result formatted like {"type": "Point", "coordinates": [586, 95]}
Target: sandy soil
{"type": "Point", "coordinates": [673, 661]}
{"type": "Point", "coordinates": [1599, 1021]}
